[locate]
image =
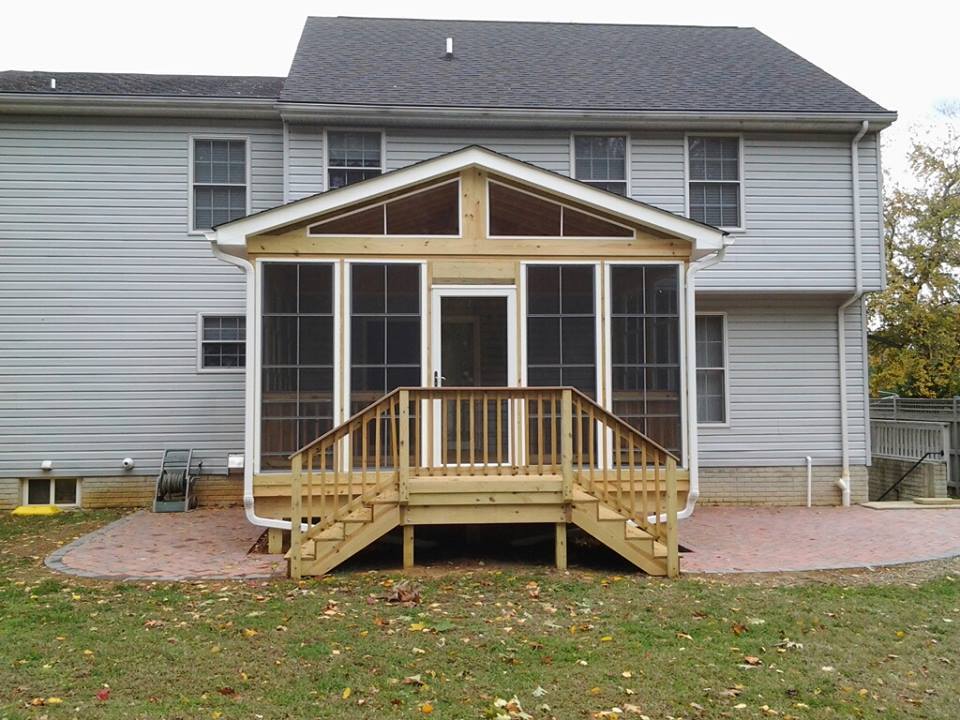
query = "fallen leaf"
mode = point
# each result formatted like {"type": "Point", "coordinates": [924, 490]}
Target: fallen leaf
{"type": "Point", "coordinates": [752, 660]}
{"type": "Point", "coordinates": [426, 708]}
{"type": "Point", "coordinates": [346, 693]}
{"type": "Point", "coordinates": [103, 695]}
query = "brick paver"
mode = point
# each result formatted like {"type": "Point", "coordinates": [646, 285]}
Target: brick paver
{"type": "Point", "coordinates": [205, 544]}
{"type": "Point", "coordinates": [772, 539]}
{"type": "Point", "coordinates": [214, 543]}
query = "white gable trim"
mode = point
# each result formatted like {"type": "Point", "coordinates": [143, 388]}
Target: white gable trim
{"type": "Point", "coordinates": [232, 236]}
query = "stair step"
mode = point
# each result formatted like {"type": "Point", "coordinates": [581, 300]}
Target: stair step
{"type": "Point", "coordinates": [632, 532]}
{"type": "Point", "coordinates": [362, 514]}
{"type": "Point", "coordinates": [606, 514]}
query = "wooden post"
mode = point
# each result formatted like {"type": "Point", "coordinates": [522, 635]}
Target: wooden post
{"type": "Point", "coordinates": [561, 546]}
{"type": "Point", "coordinates": [274, 541]}
{"type": "Point", "coordinates": [407, 547]}
{"type": "Point", "coordinates": [673, 544]}
{"type": "Point", "coordinates": [566, 444]}
{"type": "Point", "coordinates": [403, 447]}
{"type": "Point", "coordinates": [296, 515]}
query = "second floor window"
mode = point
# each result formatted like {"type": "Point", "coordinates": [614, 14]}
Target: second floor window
{"type": "Point", "coordinates": [714, 174]}
{"type": "Point", "coordinates": [219, 179]}
{"type": "Point", "coordinates": [352, 156]}
{"type": "Point", "coordinates": [601, 161]}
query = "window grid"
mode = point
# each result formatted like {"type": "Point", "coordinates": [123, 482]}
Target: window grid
{"type": "Point", "coordinates": [223, 342]}
{"type": "Point", "coordinates": [711, 370]}
{"type": "Point", "coordinates": [575, 329]}
{"type": "Point", "coordinates": [219, 177]}
{"type": "Point", "coordinates": [645, 350]}
{"type": "Point", "coordinates": [601, 161]}
{"type": "Point", "coordinates": [353, 156]}
{"type": "Point", "coordinates": [297, 403]}
{"type": "Point", "coordinates": [714, 180]}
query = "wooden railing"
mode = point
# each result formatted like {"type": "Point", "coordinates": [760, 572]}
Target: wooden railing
{"type": "Point", "coordinates": [417, 432]}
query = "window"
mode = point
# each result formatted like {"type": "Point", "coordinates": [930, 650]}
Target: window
{"type": "Point", "coordinates": [298, 358]}
{"type": "Point", "coordinates": [219, 182]}
{"type": "Point", "coordinates": [223, 342]}
{"type": "Point", "coordinates": [384, 330]}
{"type": "Point", "coordinates": [519, 213]}
{"type": "Point", "coordinates": [714, 174]}
{"type": "Point", "coordinates": [645, 350]}
{"type": "Point", "coordinates": [352, 157]}
{"type": "Point", "coordinates": [430, 211]}
{"type": "Point", "coordinates": [561, 327]}
{"type": "Point", "coordinates": [601, 161]}
{"type": "Point", "coordinates": [711, 369]}
{"type": "Point", "coordinates": [51, 491]}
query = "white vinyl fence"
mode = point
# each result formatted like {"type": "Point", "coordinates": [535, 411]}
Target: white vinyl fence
{"type": "Point", "coordinates": [908, 428]}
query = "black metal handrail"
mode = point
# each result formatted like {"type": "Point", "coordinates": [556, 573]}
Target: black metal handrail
{"type": "Point", "coordinates": [896, 485]}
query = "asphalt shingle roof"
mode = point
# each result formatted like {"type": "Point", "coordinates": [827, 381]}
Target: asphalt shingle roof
{"type": "Point", "coordinates": [194, 86]}
{"type": "Point", "coordinates": [370, 61]}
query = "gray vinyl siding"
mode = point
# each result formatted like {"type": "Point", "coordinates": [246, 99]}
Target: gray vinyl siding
{"type": "Point", "coordinates": [100, 286]}
{"type": "Point", "coordinates": [783, 382]}
{"type": "Point", "coordinates": [305, 160]}
{"type": "Point", "coordinates": [656, 170]}
{"type": "Point", "coordinates": [547, 149]}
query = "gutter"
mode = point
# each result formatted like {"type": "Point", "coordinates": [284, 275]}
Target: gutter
{"type": "Point", "coordinates": [249, 389]}
{"type": "Point", "coordinates": [843, 482]}
{"type": "Point", "coordinates": [690, 302]}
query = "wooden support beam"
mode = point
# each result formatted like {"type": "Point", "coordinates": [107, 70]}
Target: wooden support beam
{"type": "Point", "coordinates": [566, 443]}
{"type": "Point", "coordinates": [403, 446]}
{"type": "Point", "coordinates": [673, 541]}
{"type": "Point", "coordinates": [561, 546]}
{"type": "Point", "coordinates": [407, 547]}
{"type": "Point", "coordinates": [274, 541]}
{"type": "Point", "coordinates": [296, 516]}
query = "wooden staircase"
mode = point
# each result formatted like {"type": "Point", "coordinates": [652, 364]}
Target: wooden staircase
{"type": "Point", "coordinates": [545, 455]}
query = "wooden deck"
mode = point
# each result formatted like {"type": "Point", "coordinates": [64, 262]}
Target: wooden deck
{"type": "Point", "coordinates": [426, 456]}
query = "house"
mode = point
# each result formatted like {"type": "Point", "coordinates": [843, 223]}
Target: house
{"type": "Point", "coordinates": [585, 262]}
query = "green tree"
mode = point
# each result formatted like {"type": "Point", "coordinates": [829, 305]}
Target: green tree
{"type": "Point", "coordinates": [915, 322]}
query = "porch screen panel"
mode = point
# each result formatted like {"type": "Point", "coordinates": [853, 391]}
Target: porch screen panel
{"type": "Point", "coordinates": [561, 341]}
{"type": "Point", "coordinates": [645, 350]}
{"type": "Point", "coordinates": [297, 403]}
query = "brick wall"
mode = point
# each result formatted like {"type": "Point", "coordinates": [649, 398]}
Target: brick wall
{"type": "Point", "coordinates": [778, 485]}
{"type": "Point", "coordinates": [135, 491]}
{"type": "Point", "coordinates": [928, 480]}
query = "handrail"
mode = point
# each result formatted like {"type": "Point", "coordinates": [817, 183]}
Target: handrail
{"type": "Point", "coordinates": [484, 431]}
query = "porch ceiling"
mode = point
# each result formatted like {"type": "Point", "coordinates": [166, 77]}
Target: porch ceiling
{"type": "Point", "coordinates": [232, 237]}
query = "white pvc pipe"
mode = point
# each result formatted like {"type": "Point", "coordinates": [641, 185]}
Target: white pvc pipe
{"type": "Point", "coordinates": [843, 482]}
{"type": "Point", "coordinates": [690, 320]}
{"type": "Point", "coordinates": [809, 480]}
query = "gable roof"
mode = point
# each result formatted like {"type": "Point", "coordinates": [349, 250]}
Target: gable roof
{"type": "Point", "coordinates": [232, 235]}
{"type": "Point", "coordinates": [135, 84]}
{"type": "Point", "coordinates": [375, 61]}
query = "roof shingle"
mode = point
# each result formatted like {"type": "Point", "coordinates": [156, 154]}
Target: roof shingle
{"type": "Point", "coordinates": [192, 86]}
{"type": "Point", "coordinates": [373, 61]}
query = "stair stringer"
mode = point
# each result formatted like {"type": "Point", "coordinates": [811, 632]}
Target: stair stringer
{"type": "Point", "coordinates": [641, 551]}
{"type": "Point", "coordinates": [329, 555]}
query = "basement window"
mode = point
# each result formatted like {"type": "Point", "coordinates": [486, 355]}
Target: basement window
{"type": "Point", "coordinates": [223, 342]}
{"type": "Point", "coordinates": [51, 491]}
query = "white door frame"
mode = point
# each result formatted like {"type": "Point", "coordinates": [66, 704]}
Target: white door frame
{"type": "Point", "coordinates": [437, 293]}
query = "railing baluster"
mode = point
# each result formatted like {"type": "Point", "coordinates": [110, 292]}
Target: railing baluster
{"type": "Point", "coordinates": [643, 479]}
{"type": "Point", "coordinates": [632, 476]}
{"type": "Point", "coordinates": [376, 444]}
{"type": "Point", "coordinates": [444, 443]}
{"type": "Point", "coordinates": [458, 429]}
{"type": "Point", "coordinates": [472, 429]}
{"type": "Point", "coordinates": [540, 432]}
{"type": "Point", "coordinates": [592, 454]}
{"type": "Point", "coordinates": [500, 407]}
{"type": "Point", "coordinates": [310, 515]}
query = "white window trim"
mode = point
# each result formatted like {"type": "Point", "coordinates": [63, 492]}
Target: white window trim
{"type": "Point", "coordinates": [257, 363]}
{"type": "Point", "coordinates": [200, 342]}
{"type": "Point", "coordinates": [608, 343]}
{"type": "Point", "coordinates": [556, 201]}
{"type": "Point", "coordinates": [25, 490]}
{"type": "Point", "coordinates": [742, 227]}
{"type": "Point", "coordinates": [383, 204]}
{"type": "Point", "coordinates": [726, 371]}
{"type": "Point", "coordinates": [326, 150]}
{"type": "Point", "coordinates": [627, 151]}
{"type": "Point", "coordinates": [191, 230]}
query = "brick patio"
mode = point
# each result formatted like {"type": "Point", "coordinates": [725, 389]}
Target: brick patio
{"type": "Point", "coordinates": [205, 544]}
{"type": "Point", "coordinates": [214, 543]}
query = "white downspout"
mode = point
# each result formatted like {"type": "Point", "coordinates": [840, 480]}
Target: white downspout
{"type": "Point", "coordinates": [249, 387]}
{"type": "Point", "coordinates": [843, 482]}
{"type": "Point", "coordinates": [690, 306]}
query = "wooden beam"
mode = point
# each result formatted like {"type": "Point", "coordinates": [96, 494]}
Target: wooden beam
{"type": "Point", "coordinates": [296, 517]}
{"type": "Point", "coordinates": [566, 443]}
{"type": "Point", "coordinates": [673, 546]}
{"type": "Point", "coordinates": [274, 541]}
{"type": "Point", "coordinates": [407, 547]}
{"type": "Point", "coordinates": [561, 546]}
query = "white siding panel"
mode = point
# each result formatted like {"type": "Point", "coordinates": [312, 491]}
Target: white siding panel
{"type": "Point", "coordinates": [305, 161]}
{"type": "Point", "coordinates": [100, 286]}
{"type": "Point", "coordinates": [656, 170]}
{"type": "Point", "coordinates": [547, 149]}
{"type": "Point", "coordinates": [783, 382]}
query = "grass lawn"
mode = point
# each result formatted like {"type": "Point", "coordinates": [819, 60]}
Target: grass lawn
{"type": "Point", "coordinates": [566, 645]}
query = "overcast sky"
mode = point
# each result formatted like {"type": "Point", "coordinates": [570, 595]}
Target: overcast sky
{"type": "Point", "coordinates": [902, 55]}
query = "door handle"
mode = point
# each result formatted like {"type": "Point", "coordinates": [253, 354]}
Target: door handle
{"type": "Point", "coordinates": [438, 379]}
